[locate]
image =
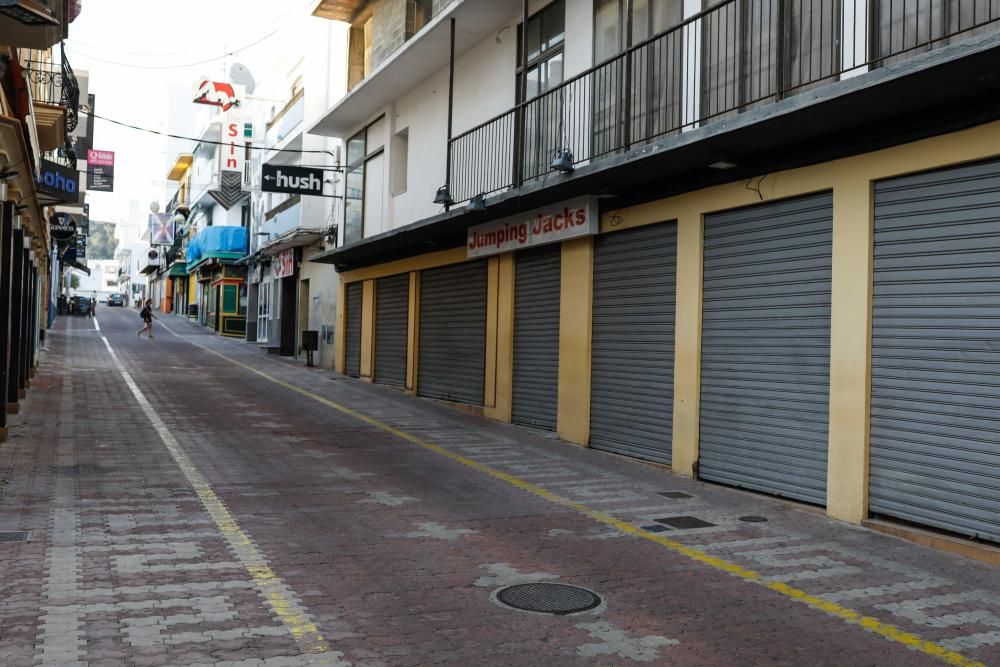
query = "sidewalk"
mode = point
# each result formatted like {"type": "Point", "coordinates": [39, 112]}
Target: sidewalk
{"type": "Point", "coordinates": [161, 534]}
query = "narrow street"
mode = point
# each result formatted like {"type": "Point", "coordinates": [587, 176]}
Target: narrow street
{"type": "Point", "coordinates": [184, 509]}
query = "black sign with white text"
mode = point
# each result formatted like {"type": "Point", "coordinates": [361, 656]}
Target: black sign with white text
{"type": "Point", "coordinates": [292, 180]}
{"type": "Point", "coordinates": [62, 226]}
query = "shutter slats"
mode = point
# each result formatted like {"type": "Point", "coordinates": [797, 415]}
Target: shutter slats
{"type": "Point", "coordinates": [537, 275]}
{"type": "Point", "coordinates": [935, 430]}
{"type": "Point", "coordinates": [392, 305]}
{"type": "Point", "coordinates": [353, 333]}
{"type": "Point", "coordinates": [632, 366]}
{"type": "Point", "coordinates": [452, 347]}
{"type": "Point", "coordinates": [766, 347]}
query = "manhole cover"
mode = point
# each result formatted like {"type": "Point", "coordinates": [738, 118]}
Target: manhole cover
{"type": "Point", "coordinates": [549, 598]}
{"type": "Point", "coordinates": [753, 519]}
{"type": "Point", "coordinates": [15, 536]}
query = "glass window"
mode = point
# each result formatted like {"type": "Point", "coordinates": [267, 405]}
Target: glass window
{"type": "Point", "coordinates": [607, 29]}
{"type": "Point", "coordinates": [354, 194]}
{"type": "Point", "coordinates": [356, 147]}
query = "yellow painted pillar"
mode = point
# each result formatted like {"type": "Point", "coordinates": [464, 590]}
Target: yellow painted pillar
{"type": "Point", "coordinates": [368, 330]}
{"type": "Point", "coordinates": [413, 332]}
{"type": "Point", "coordinates": [340, 334]}
{"type": "Point", "coordinates": [576, 303]}
{"type": "Point", "coordinates": [851, 348]}
{"type": "Point", "coordinates": [687, 343]}
{"type": "Point", "coordinates": [504, 356]}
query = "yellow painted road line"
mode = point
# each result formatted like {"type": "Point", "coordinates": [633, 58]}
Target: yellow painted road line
{"type": "Point", "coordinates": [279, 597]}
{"type": "Point", "coordinates": [870, 623]}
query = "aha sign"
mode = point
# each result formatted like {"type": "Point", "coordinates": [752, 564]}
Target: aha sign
{"type": "Point", "coordinates": [551, 224]}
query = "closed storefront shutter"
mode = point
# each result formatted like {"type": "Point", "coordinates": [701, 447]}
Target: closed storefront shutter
{"type": "Point", "coordinates": [935, 420]}
{"type": "Point", "coordinates": [766, 347]}
{"type": "Point", "coordinates": [536, 337]}
{"type": "Point", "coordinates": [392, 296]}
{"type": "Point", "coordinates": [632, 367]}
{"type": "Point", "coordinates": [353, 333]}
{"type": "Point", "coordinates": [452, 346]}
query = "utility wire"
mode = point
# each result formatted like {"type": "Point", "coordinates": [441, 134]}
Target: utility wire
{"type": "Point", "coordinates": [212, 143]}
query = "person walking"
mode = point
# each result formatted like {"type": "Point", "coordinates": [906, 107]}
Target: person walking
{"type": "Point", "coordinates": [147, 317]}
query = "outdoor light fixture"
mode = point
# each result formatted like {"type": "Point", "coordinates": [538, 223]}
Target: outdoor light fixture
{"type": "Point", "coordinates": [477, 203]}
{"type": "Point", "coordinates": [563, 161]}
{"type": "Point", "coordinates": [723, 165]}
{"type": "Point", "coordinates": [443, 196]}
{"type": "Point", "coordinates": [28, 12]}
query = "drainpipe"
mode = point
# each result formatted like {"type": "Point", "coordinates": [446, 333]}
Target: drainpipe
{"type": "Point", "coordinates": [451, 108]}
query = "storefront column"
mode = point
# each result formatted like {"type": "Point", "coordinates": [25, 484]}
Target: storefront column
{"type": "Point", "coordinates": [851, 348]}
{"type": "Point", "coordinates": [412, 332]}
{"type": "Point", "coordinates": [6, 233]}
{"type": "Point", "coordinates": [576, 303]}
{"type": "Point", "coordinates": [368, 330]}
{"type": "Point", "coordinates": [340, 334]}
{"type": "Point", "coordinates": [687, 343]}
{"type": "Point", "coordinates": [28, 295]}
{"type": "Point", "coordinates": [500, 339]}
{"type": "Point", "coordinates": [16, 316]}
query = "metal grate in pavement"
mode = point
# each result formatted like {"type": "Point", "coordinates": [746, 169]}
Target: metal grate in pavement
{"type": "Point", "coordinates": [684, 522]}
{"type": "Point", "coordinates": [14, 536]}
{"type": "Point", "coordinates": [548, 598]}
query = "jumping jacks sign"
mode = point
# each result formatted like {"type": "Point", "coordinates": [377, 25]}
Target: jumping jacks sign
{"type": "Point", "coordinates": [552, 224]}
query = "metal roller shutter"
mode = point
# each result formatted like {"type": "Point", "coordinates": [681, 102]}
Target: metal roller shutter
{"type": "Point", "coordinates": [353, 333]}
{"type": "Point", "coordinates": [537, 277]}
{"type": "Point", "coordinates": [392, 299]}
{"type": "Point", "coordinates": [766, 347]}
{"type": "Point", "coordinates": [453, 333]}
{"type": "Point", "coordinates": [632, 359]}
{"type": "Point", "coordinates": [935, 432]}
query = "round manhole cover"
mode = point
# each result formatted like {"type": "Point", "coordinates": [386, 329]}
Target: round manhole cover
{"type": "Point", "coordinates": [549, 598]}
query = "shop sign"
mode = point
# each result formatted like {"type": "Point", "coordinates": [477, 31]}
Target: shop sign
{"type": "Point", "coordinates": [284, 264]}
{"type": "Point", "coordinates": [551, 224]}
{"type": "Point", "coordinates": [161, 229]}
{"type": "Point", "coordinates": [59, 181]}
{"type": "Point", "coordinates": [62, 226]}
{"type": "Point", "coordinates": [217, 94]}
{"type": "Point", "coordinates": [101, 171]}
{"type": "Point", "coordinates": [292, 180]}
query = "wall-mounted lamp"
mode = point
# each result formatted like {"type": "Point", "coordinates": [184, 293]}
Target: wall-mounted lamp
{"type": "Point", "coordinates": [563, 161]}
{"type": "Point", "coordinates": [477, 204]}
{"type": "Point", "coordinates": [443, 196]}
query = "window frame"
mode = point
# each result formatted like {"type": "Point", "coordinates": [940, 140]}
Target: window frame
{"type": "Point", "coordinates": [360, 163]}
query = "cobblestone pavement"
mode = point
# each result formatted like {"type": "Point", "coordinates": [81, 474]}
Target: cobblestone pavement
{"type": "Point", "coordinates": [191, 501]}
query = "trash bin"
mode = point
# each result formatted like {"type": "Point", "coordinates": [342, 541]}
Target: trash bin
{"type": "Point", "coordinates": [310, 343]}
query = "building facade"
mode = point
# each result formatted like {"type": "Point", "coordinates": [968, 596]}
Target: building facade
{"type": "Point", "coordinates": [753, 240]}
{"type": "Point", "coordinates": [39, 104]}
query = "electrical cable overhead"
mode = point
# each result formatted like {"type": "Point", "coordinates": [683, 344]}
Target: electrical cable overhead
{"type": "Point", "coordinates": [213, 143]}
{"type": "Point", "coordinates": [74, 46]}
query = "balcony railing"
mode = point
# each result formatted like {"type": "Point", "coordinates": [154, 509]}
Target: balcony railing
{"type": "Point", "coordinates": [53, 83]}
{"type": "Point", "coordinates": [735, 56]}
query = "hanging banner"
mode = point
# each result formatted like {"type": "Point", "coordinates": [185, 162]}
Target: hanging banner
{"type": "Point", "coordinates": [101, 171]}
{"type": "Point", "coordinates": [284, 263]}
{"type": "Point", "coordinates": [161, 229]}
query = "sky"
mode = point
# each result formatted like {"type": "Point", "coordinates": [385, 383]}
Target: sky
{"type": "Point", "coordinates": [141, 56]}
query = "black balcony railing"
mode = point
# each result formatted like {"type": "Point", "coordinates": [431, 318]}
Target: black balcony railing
{"type": "Point", "coordinates": [737, 55]}
{"type": "Point", "coordinates": [55, 83]}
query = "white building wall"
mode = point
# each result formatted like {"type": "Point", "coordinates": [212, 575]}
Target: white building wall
{"type": "Point", "coordinates": [485, 87]}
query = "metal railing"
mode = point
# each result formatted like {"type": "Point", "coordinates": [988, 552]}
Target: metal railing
{"type": "Point", "coordinates": [55, 83]}
{"type": "Point", "coordinates": [735, 56]}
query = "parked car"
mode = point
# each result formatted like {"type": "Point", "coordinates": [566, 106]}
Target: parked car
{"type": "Point", "coordinates": [116, 300]}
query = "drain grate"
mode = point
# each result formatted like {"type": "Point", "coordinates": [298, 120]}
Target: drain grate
{"type": "Point", "coordinates": [14, 536]}
{"type": "Point", "coordinates": [684, 522]}
{"type": "Point", "coordinates": [547, 598]}
{"type": "Point", "coordinates": [752, 518]}
{"type": "Point", "coordinates": [674, 494]}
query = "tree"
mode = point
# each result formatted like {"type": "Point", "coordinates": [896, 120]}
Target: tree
{"type": "Point", "coordinates": [102, 242]}
{"type": "Point", "coordinates": [74, 281]}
